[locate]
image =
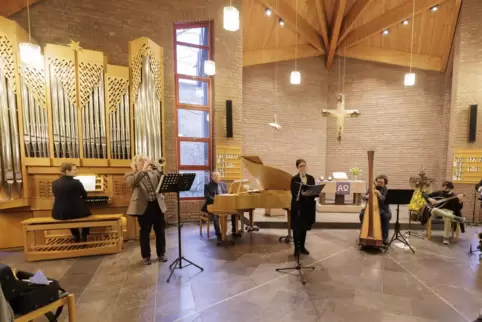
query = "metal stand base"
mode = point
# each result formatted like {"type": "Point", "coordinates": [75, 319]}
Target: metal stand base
{"type": "Point", "coordinates": [286, 239]}
{"type": "Point", "coordinates": [298, 268]}
{"type": "Point", "coordinates": [397, 235]}
{"type": "Point", "coordinates": [173, 267]}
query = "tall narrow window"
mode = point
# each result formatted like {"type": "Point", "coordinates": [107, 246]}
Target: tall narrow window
{"type": "Point", "coordinates": [192, 46]}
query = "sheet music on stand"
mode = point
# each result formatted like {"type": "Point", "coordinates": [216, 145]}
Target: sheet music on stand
{"type": "Point", "coordinates": [310, 191]}
{"type": "Point", "coordinates": [175, 182]}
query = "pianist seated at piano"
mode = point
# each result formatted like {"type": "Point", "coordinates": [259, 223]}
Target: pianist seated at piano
{"type": "Point", "coordinates": [211, 189]}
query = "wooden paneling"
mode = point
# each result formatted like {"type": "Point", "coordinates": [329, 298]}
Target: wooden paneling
{"type": "Point", "coordinates": [10, 7]}
{"type": "Point", "coordinates": [362, 24]}
{"type": "Point", "coordinates": [11, 235]}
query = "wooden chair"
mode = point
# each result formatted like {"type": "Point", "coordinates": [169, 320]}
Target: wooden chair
{"type": "Point", "coordinates": [440, 220]}
{"type": "Point", "coordinates": [204, 217]}
{"type": "Point", "coordinates": [38, 246]}
{"type": "Point", "coordinates": [67, 300]}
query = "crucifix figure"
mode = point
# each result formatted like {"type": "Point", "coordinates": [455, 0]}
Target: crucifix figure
{"type": "Point", "coordinates": [340, 113]}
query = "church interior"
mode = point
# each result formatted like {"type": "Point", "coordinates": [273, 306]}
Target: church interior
{"type": "Point", "coordinates": [263, 94]}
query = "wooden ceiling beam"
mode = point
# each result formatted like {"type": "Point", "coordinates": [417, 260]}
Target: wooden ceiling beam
{"type": "Point", "coordinates": [321, 13]}
{"type": "Point", "coordinates": [335, 31]}
{"type": "Point", "coordinates": [352, 15]}
{"type": "Point", "coordinates": [286, 12]}
{"type": "Point", "coordinates": [448, 42]}
{"type": "Point", "coordinates": [393, 57]}
{"type": "Point", "coordinates": [386, 20]}
{"type": "Point", "coordinates": [11, 7]}
{"type": "Point", "coordinates": [265, 56]}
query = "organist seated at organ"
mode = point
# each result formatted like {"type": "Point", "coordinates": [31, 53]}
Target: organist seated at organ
{"type": "Point", "coordinates": [69, 200]}
{"type": "Point", "coordinates": [211, 189]}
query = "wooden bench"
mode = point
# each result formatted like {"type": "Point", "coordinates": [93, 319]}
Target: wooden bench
{"type": "Point", "coordinates": [67, 300]}
{"type": "Point", "coordinates": [55, 247]}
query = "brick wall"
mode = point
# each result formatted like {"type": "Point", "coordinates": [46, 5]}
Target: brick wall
{"type": "Point", "coordinates": [466, 89]}
{"type": "Point", "coordinates": [267, 91]}
{"type": "Point", "coordinates": [109, 25]}
{"type": "Point", "coordinates": [403, 125]}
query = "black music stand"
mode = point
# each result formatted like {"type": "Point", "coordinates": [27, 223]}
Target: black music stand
{"type": "Point", "coordinates": [307, 191]}
{"type": "Point", "coordinates": [177, 182]}
{"type": "Point", "coordinates": [399, 197]}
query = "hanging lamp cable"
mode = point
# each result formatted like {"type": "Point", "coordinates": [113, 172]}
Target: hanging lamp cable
{"type": "Point", "coordinates": [28, 20]}
{"type": "Point", "coordinates": [413, 26]}
{"type": "Point", "coordinates": [296, 27]}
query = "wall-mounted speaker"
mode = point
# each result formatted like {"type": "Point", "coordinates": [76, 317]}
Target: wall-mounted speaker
{"type": "Point", "coordinates": [229, 118]}
{"type": "Point", "coordinates": [472, 123]}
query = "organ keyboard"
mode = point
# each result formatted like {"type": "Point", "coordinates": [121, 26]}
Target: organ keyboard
{"type": "Point", "coordinates": [274, 193]}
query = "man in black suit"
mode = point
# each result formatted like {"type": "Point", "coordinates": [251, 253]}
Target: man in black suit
{"type": "Point", "coordinates": [211, 189]}
{"type": "Point", "coordinates": [69, 200]}
{"type": "Point", "coordinates": [303, 211]}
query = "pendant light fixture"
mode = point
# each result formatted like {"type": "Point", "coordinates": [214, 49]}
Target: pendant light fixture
{"type": "Point", "coordinates": [29, 52]}
{"type": "Point", "coordinates": [410, 77]}
{"type": "Point", "coordinates": [231, 17]}
{"type": "Point", "coordinates": [295, 77]}
{"type": "Point", "coordinates": [209, 65]}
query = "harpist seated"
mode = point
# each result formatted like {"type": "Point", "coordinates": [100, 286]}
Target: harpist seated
{"type": "Point", "coordinates": [211, 189]}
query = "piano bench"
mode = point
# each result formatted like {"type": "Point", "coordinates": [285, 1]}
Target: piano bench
{"type": "Point", "coordinates": [204, 217]}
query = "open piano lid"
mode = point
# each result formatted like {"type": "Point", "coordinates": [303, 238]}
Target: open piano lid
{"type": "Point", "coordinates": [269, 178]}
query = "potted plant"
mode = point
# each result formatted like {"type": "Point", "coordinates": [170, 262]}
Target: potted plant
{"type": "Point", "coordinates": [355, 172]}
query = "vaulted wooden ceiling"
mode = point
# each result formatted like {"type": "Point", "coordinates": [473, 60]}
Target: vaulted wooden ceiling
{"type": "Point", "coordinates": [351, 28]}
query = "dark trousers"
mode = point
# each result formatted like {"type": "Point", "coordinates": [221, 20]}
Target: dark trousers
{"type": "Point", "coordinates": [76, 233]}
{"type": "Point", "coordinates": [152, 217]}
{"type": "Point", "coordinates": [217, 229]}
{"type": "Point", "coordinates": [299, 233]}
{"type": "Point", "coordinates": [384, 221]}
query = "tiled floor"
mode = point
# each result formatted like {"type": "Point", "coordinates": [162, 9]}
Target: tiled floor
{"type": "Point", "coordinates": [239, 283]}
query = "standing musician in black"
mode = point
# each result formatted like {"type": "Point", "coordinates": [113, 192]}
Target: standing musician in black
{"type": "Point", "coordinates": [69, 200]}
{"type": "Point", "coordinates": [450, 210]}
{"type": "Point", "coordinates": [303, 212]}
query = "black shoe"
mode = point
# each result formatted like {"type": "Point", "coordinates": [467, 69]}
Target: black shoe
{"type": "Point", "coordinates": [162, 259]}
{"type": "Point", "coordinates": [76, 239]}
{"type": "Point", "coordinates": [304, 251]}
{"type": "Point", "coordinates": [147, 261]}
{"type": "Point", "coordinates": [84, 239]}
{"type": "Point", "coordinates": [236, 234]}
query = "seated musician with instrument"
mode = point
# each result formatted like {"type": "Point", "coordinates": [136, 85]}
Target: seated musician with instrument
{"type": "Point", "coordinates": [448, 205]}
{"type": "Point", "coordinates": [385, 214]}
{"type": "Point", "coordinates": [213, 188]}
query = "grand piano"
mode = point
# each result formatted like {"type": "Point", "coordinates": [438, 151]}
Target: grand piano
{"type": "Point", "coordinates": [273, 193]}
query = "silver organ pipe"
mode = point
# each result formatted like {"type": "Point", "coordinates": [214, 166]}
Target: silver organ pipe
{"type": "Point", "coordinates": [64, 119]}
{"type": "Point", "coordinates": [94, 128]}
{"type": "Point", "coordinates": [147, 114]}
{"type": "Point", "coordinates": [10, 164]}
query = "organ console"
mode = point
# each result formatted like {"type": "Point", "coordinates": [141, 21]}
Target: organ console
{"type": "Point", "coordinates": [274, 193]}
{"type": "Point", "coordinates": [71, 106]}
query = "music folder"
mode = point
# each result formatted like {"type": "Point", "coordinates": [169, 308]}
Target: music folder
{"type": "Point", "coordinates": [310, 191]}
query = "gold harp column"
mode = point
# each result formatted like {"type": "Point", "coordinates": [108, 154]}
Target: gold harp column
{"type": "Point", "coordinates": [13, 174]}
{"type": "Point", "coordinates": [60, 74]}
{"type": "Point", "coordinates": [146, 64]}
{"type": "Point", "coordinates": [118, 115]}
{"type": "Point", "coordinates": [91, 104]}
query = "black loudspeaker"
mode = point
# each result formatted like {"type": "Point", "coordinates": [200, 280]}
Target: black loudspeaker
{"type": "Point", "coordinates": [229, 119]}
{"type": "Point", "coordinates": [472, 122]}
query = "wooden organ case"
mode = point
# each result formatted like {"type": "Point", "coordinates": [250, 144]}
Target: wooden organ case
{"type": "Point", "coordinates": [71, 106]}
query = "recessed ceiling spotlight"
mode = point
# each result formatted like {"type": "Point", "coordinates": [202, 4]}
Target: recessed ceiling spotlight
{"type": "Point", "coordinates": [268, 12]}
{"type": "Point", "coordinates": [434, 8]}
{"type": "Point", "coordinates": [385, 32]}
{"type": "Point", "coordinates": [405, 22]}
{"type": "Point", "coordinates": [281, 22]}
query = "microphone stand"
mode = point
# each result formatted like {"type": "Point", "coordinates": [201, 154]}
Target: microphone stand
{"type": "Point", "coordinates": [298, 266]}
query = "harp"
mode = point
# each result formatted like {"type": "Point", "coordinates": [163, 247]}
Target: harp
{"type": "Point", "coordinates": [371, 230]}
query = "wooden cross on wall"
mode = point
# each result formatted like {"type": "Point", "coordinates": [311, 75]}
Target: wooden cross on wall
{"type": "Point", "coordinates": [422, 181]}
{"type": "Point", "coordinates": [340, 113]}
